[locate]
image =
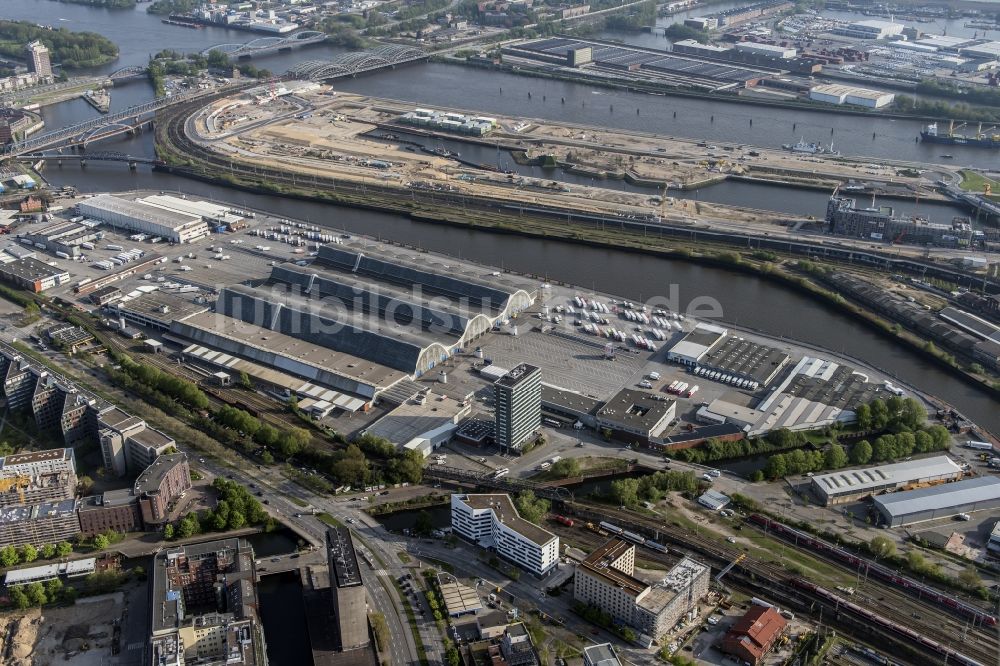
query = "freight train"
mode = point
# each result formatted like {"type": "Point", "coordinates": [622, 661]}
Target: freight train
{"type": "Point", "coordinates": [917, 589]}
{"type": "Point", "coordinates": [915, 637]}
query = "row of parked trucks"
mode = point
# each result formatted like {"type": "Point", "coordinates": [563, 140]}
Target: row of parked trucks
{"type": "Point", "coordinates": [725, 378]}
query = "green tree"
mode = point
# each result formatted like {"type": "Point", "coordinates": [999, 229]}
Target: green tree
{"type": "Point", "coordinates": [36, 593]}
{"type": "Point", "coordinates": [84, 485]}
{"type": "Point", "coordinates": [9, 556]}
{"type": "Point", "coordinates": [64, 548]}
{"type": "Point", "coordinates": [245, 380]}
{"type": "Point", "coordinates": [880, 415]}
{"type": "Point", "coordinates": [863, 415]}
{"type": "Point", "coordinates": [236, 520]}
{"type": "Point", "coordinates": [861, 453]}
{"type": "Point", "coordinates": [53, 589]}
{"type": "Point", "coordinates": [168, 532]}
{"type": "Point", "coordinates": [881, 546]}
{"type": "Point", "coordinates": [776, 467]}
{"type": "Point", "coordinates": [28, 553]}
{"type": "Point", "coordinates": [531, 508]}
{"type": "Point", "coordinates": [424, 525]}
{"type": "Point", "coordinates": [48, 551]}
{"type": "Point", "coordinates": [101, 542]}
{"type": "Point", "coordinates": [20, 598]}
{"type": "Point", "coordinates": [625, 491]}
{"type": "Point", "coordinates": [566, 468]}
{"type": "Point", "coordinates": [835, 457]}
{"type": "Point", "coordinates": [970, 577]}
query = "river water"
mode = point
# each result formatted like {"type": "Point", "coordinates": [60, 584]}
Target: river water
{"type": "Point", "coordinates": [746, 300]}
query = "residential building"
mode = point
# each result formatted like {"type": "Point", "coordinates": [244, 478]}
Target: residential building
{"type": "Point", "coordinates": [493, 522]}
{"type": "Point", "coordinates": [116, 510]}
{"type": "Point", "coordinates": [39, 62]}
{"type": "Point", "coordinates": [518, 401]}
{"type": "Point", "coordinates": [38, 524]}
{"type": "Point", "coordinates": [754, 634]}
{"type": "Point", "coordinates": [28, 479]}
{"type": "Point", "coordinates": [160, 485]}
{"type": "Point", "coordinates": [347, 589]}
{"type": "Point", "coordinates": [204, 606]}
{"type": "Point", "coordinates": [18, 383]}
{"type": "Point", "coordinates": [606, 580]}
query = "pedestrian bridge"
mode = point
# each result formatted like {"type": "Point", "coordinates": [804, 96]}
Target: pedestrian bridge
{"type": "Point", "coordinates": [264, 45]}
{"type": "Point", "coordinates": [358, 62]}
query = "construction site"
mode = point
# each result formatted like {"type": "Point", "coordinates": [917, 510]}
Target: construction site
{"type": "Point", "coordinates": [318, 134]}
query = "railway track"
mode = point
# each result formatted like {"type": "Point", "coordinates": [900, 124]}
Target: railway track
{"type": "Point", "coordinates": [980, 644]}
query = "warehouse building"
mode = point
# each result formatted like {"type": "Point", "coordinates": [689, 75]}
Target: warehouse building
{"type": "Point", "coordinates": [944, 501]}
{"type": "Point", "coordinates": [606, 580]}
{"type": "Point", "coordinates": [34, 275]}
{"type": "Point", "coordinates": [852, 485]}
{"type": "Point", "coordinates": [993, 544]}
{"type": "Point", "coordinates": [64, 237]}
{"type": "Point", "coordinates": [984, 51]}
{"type": "Point", "coordinates": [741, 359]}
{"type": "Point", "coordinates": [636, 417]}
{"type": "Point", "coordinates": [492, 522]}
{"type": "Point", "coordinates": [851, 96]}
{"type": "Point", "coordinates": [406, 312]}
{"type": "Point", "coordinates": [870, 29]}
{"type": "Point", "coordinates": [696, 344]}
{"type": "Point", "coordinates": [135, 215]}
{"type": "Point", "coordinates": [766, 50]}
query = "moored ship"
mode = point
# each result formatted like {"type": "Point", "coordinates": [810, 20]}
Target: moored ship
{"type": "Point", "coordinates": [930, 134]}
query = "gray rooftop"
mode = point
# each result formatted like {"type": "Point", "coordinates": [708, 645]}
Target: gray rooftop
{"type": "Point", "coordinates": [859, 480]}
{"type": "Point", "coordinates": [152, 476]}
{"type": "Point", "coordinates": [570, 401]}
{"type": "Point", "coordinates": [959, 493]}
{"type": "Point", "coordinates": [456, 279]}
{"type": "Point", "coordinates": [343, 557]}
{"type": "Point", "coordinates": [161, 306]}
{"type": "Point", "coordinates": [635, 409]}
{"type": "Point", "coordinates": [107, 203]}
{"type": "Point", "coordinates": [31, 269]}
{"type": "Point", "coordinates": [600, 655]}
{"type": "Point", "coordinates": [518, 374]}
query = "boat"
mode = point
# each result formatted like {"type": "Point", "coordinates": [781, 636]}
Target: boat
{"type": "Point", "coordinates": [810, 148]}
{"type": "Point", "coordinates": [100, 99]}
{"type": "Point", "coordinates": [948, 156]}
{"type": "Point", "coordinates": [930, 134]}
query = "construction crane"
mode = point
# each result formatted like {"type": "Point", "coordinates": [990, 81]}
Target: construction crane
{"type": "Point", "coordinates": [739, 558]}
{"type": "Point", "coordinates": [19, 482]}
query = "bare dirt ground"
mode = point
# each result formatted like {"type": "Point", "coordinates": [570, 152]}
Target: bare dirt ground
{"type": "Point", "coordinates": [78, 635]}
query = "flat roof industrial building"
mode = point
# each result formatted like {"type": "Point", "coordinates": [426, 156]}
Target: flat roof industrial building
{"type": "Point", "coordinates": [34, 275]}
{"type": "Point", "coordinates": [636, 416]}
{"type": "Point", "coordinates": [850, 485]}
{"type": "Point", "coordinates": [169, 224]}
{"type": "Point", "coordinates": [944, 501]}
{"type": "Point", "coordinates": [744, 359]}
{"type": "Point", "coordinates": [696, 344]}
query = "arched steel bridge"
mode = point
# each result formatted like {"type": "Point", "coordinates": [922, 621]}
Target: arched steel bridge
{"type": "Point", "coordinates": [128, 73]}
{"type": "Point", "coordinates": [268, 44]}
{"type": "Point", "coordinates": [105, 126]}
{"type": "Point", "coordinates": [358, 62]}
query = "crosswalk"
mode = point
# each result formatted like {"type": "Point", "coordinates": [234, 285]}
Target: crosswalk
{"type": "Point", "coordinates": [383, 572]}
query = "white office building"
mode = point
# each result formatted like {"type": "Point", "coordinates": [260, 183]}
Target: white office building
{"type": "Point", "coordinates": [492, 522]}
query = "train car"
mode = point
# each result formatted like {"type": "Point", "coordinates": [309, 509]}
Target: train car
{"type": "Point", "coordinates": [563, 520]}
{"type": "Point", "coordinates": [614, 529]}
{"type": "Point", "coordinates": [655, 545]}
{"type": "Point", "coordinates": [920, 590]}
{"type": "Point", "coordinates": [633, 537]}
{"type": "Point", "coordinates": [950, 655]}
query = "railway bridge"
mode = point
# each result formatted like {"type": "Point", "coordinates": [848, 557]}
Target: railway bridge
{"type": "Point", "coordinates": [83, 158]}
{"type": "Point", "coordinates": [357, 62]}
{"type": "Point", "coordinates": [488, 479]}
{"type": "Point", "coordinates": [264, 45]}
